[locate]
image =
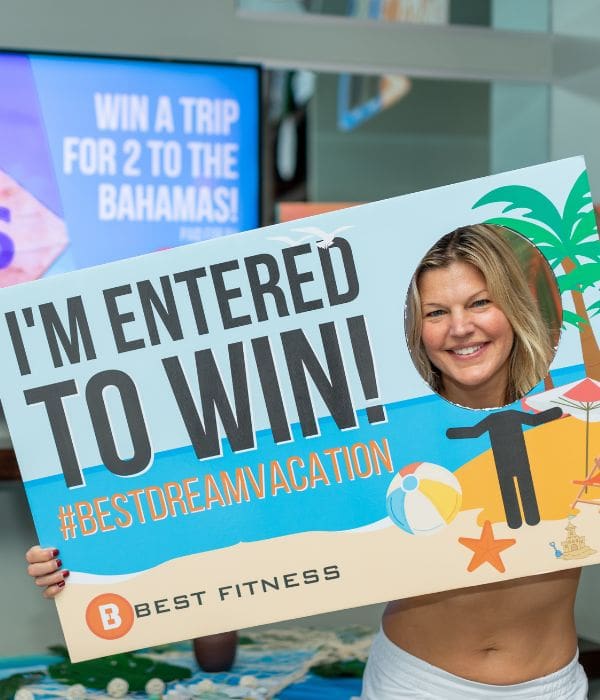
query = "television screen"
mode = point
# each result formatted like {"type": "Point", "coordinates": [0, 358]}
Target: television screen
{"type": "Point", "coordinates": [104, 158]}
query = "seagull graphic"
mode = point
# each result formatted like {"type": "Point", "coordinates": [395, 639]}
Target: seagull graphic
{"type": "Point", "coordinates": [289, 241]}
{"type": "Point", "coordinates": [312, 231]}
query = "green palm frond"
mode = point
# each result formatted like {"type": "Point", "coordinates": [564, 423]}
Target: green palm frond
{"type": "Point", "coordinates": [572, 319]}
{"type": "Point", "coordinates": [545, 240]}
{"type": "Point", "coordinates": [536, 205]}
{"type": "Point", "coordinates": [579, 198]}
{"type": "Point", "coordinates": [594, 309]}
{"type": "Point", "coordinates": [589, 250]}
{"type": "Point", "coordinates": [581, 278]}
{"type": "Point", "coordinates": [585, 227]}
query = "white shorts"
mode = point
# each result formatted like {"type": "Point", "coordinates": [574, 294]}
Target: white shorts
{"type": "Point", "coordinates": [394, 674]}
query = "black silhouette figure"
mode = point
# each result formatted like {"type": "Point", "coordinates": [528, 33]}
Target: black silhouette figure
{"type": "Point", "coordinates": [511, 459]}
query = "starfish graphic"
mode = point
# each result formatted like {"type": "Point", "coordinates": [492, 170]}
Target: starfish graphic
{"type": "Point", "coordinates": [486, 548]}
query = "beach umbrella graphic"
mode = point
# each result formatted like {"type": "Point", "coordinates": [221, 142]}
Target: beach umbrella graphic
{"type": "Point", "coordinates": [582, 397]}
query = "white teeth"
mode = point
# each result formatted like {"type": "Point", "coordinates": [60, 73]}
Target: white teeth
{"type": "Point", "coordinates": [467, 351]}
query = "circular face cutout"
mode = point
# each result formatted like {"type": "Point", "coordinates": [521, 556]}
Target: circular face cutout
{"type": "Point", "coordinates": [483, 316]}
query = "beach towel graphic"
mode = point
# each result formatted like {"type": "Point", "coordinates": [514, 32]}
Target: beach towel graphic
{"type": "Point", "coordinates": [511, 459]}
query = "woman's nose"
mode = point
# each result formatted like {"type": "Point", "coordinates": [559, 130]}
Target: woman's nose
{"type": "Point", "coordinates": [461, 324]}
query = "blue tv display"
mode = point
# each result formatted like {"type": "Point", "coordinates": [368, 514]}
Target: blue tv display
{"type": "Point", "coordinates": [105, 158]}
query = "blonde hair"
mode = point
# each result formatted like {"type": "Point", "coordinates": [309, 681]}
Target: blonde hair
{"type": "Point", "coordinates": [485, 247]}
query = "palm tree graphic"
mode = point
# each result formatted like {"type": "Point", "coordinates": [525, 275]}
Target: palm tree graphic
{"type": "Point", "coordinates": [569, 240]}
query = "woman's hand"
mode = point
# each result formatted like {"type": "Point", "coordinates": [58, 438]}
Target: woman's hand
{"type": "Point", "coordinates": [46, 569]}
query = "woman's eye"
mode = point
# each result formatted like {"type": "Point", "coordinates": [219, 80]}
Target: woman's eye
{"type": "Point", "coordinates": [435, 314]}
{"type": "Point", "coordinates": [481, 302]}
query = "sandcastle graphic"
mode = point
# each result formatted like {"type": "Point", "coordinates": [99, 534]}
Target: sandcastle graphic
{"type": "Point", "coordinates": [574, 546]}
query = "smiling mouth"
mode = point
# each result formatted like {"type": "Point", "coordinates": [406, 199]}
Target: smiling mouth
{"type": "Point", "coordinates": [467, 351]}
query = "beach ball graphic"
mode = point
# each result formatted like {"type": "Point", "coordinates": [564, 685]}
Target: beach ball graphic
{"type": "Point", "coordinates": [423, 498]}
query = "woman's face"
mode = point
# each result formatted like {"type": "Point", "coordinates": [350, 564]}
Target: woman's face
{"type": "Point", "coordinates": [465, 335]}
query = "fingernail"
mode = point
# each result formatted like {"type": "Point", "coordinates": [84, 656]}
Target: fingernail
{"type": "Point", "coordinates": [60, 584]}
{"type": "Point", "coordinates": [58, 563]}
{"type": "Point", "coordinates": [66, 574]}
{"type": "Point", "coordinates": [55, 552]}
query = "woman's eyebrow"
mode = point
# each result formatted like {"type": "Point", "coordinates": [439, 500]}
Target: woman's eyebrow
{"type": "Point", "coordinates": [469, 298]}
{"type": "Point", "coordinates": [481, 291]}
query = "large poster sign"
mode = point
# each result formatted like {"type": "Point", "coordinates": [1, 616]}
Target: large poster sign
{"type": "Point", "coordinates": [92, 170]}
{"type": "Point", "coordinates": [236, 432]}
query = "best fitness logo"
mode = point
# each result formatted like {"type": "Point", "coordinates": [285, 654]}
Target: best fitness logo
{"type": "Point", "coordinates": [109, 616]}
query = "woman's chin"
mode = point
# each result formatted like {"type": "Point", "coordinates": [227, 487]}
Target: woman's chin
{"type": "Point", "coordinates": [474, 392]}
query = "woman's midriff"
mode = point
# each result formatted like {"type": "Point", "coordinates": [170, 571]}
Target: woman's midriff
{"type": "Point", "coordinates": [499, 634]}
